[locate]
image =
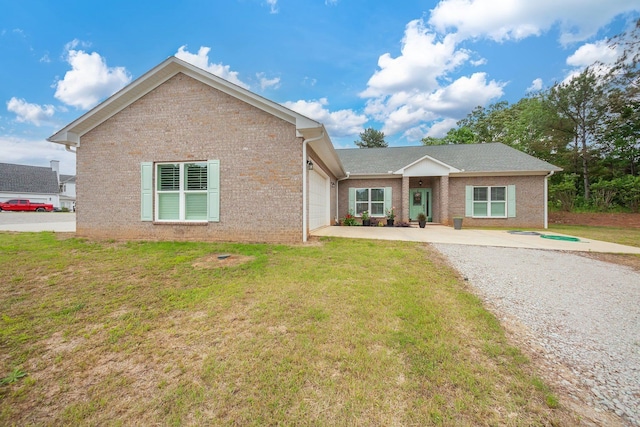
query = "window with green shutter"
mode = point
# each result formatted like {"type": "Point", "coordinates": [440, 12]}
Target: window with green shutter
{"type": "Point", "coordinates": [489, 202]}
{"type": "Point", "coordinates": [182, 191]}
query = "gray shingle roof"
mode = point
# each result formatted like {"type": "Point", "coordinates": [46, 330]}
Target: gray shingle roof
{"type": "Point", "coordinates": [489, 157]}
{"type": "Point", "coordinates": [67, 178]}
{"type": "Point", "coordinates": [28, 179]}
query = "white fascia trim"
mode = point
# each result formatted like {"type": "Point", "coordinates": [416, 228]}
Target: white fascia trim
{"type": "Point", "coordinates": [160, 74]}
{"type": "Point", "coordinates": [392, 175]}
{"type": "Point", "coordinates": [499, 173]}
{"type": "Point", "coordinates": [67, 138]}
{"type": "Point", "coordinates": [451, 168]}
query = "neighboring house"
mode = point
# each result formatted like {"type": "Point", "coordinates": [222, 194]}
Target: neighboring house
{"type": "Point", "coordinates": [36, 183]}
{"type": "Point", "coordinates": [183, 154]}
{"type": "Point", "coordinates": [68, 192]}
{"type": "Point", "coordinates": [488, 184]}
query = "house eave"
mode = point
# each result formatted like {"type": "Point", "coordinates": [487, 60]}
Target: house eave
{"type": "Point", "coordinates": [463, 173]}
{"type": "Point", "coordinates": [71, 134]}
{"type": "Point", "coordinates": [402, 170]}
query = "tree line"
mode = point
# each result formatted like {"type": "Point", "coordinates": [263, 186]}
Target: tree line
{"type": "Point", "coordinates": [589, 125]}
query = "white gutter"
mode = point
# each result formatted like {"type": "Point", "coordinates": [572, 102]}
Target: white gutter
{"type": "Point", "coordinates": [337, 198]}
{"type": "Point", "coordinates": [305, 172]}
{"type": "Point", "coordinates": [546, 200]}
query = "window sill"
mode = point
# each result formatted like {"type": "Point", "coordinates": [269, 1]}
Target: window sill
{"type": "Point", "coordinates": [189, 223]}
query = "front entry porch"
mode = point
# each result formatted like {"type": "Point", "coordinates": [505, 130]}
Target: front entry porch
{"type": "Point", "coordinates": [425, 194]}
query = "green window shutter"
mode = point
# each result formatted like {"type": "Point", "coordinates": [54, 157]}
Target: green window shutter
{"type": "Point", "coordinates": [511, 201]}
{"type": "Point", "coordinates": [213, 190]}
{"type": "Point", "coordinates": [352, 199]}
{"type": "Point", "coordinates": [146, 191]}
{"type": "Point", "coordinates": [388, 199]}
{"type": "Point", "coordinates": [468, 206]}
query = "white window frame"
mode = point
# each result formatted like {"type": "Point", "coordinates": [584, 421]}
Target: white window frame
{"type": "Point", "coordinates": [182, 192]}
{"type": "Point", "coordinates": [489, 202]}
{"type": "Point", "coordinates": [369, 202]}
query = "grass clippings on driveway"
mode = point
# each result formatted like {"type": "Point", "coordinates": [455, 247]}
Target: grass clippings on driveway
{"type": "Point", "coordinates": [345, 332]}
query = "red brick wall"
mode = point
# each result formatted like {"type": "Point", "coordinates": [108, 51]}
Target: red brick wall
{"type": "Point", "coordinates": [394, 183]}
{"type": "Point", "coordinates": [185, 120]}
{"type": "Point", "coordinates": [529, 200]}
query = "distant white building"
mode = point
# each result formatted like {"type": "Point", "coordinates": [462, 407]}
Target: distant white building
{"type": "Point", "coordinates": [38, 184]}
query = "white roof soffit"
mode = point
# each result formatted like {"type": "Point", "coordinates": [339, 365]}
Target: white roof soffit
{"type": "Point", "coordinates": [429, 158]}
{"type": "Point", "coordinates": [154, 78]}
{"type": "Point", "coordinates": [323, 147]}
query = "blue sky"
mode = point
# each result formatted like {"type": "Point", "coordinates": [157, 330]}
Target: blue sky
{"type": "Point", "coordinates": [408, 68]}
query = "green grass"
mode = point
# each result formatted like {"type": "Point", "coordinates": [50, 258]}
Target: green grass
{"type": "Point", "coordinates": [623, 236]}
{"type": "Point", "coordinates": [343, 332]}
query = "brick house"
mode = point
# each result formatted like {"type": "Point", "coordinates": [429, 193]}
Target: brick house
{"type": "Point", "coordinates": [181, 154]}
{"type": "Point", "coordinates": [488, 184]}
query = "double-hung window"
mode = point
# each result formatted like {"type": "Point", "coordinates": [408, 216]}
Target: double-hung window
{"type": "Point", "coordinates": [371, 200]}
{"type": "Point", "coordinates": [490, 202]}
{"type": "Point", "coordinates": [181, 191]}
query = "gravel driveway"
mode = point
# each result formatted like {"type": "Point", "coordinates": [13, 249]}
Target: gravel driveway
{"type": "Point", "coordinates": [583, 315]}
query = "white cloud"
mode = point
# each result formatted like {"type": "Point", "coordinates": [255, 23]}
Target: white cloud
{"type": "Point", "coordinates": [423, 60]}
{"type": "Point", "coordinates": [273, 6]}
{"type": "Point", "coordinates": [536, 85]}
{"type": "Point", "coordinates": [89, 80]}
{"type": "Point", "coordinates": [36, 152]}
{"type": "Point", "coordinates": [338, 123]}
{"type": "Point", "coordinates": [266, 82]}
{"type": "Point", "coordinates": [598, 55]}
{"type": "Point", "coordinates": [590, 53]}
{"type": "Point", "coordinates": [518, 19]}
{"type": "Point", "coordinates": [407, 91]}
{"type": "Point", "coordinates": [201, 60]}
{"type": "Point", "coordinates": [30, 113]}
{"type": "Point", "coordinates": [440, 129]}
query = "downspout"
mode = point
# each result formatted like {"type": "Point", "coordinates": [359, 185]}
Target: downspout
{"type": "Point", "coordinates": [546, 199]}
{"type": "Point", "coordinates": [337, 192]}
{"type": "Point", "coordinates": [68, 148]}
{"type": "Point", "coordinates": [305, 172]}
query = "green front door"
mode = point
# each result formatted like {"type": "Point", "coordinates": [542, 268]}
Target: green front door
{"type": "Point", "coordinates": [419, 202]}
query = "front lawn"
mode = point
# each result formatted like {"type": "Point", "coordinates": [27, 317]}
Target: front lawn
{"type": "Point", "coordinates": [623, 236]}
{"type": "Point", "coordinates": [342, 332]}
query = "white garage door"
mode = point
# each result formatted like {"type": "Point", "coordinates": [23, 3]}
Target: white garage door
{"type": "Point", "coordinates": [318, 201]}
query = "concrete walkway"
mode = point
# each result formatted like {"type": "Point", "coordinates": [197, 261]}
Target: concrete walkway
{"type": "Point", "coordinates": [433, 233]}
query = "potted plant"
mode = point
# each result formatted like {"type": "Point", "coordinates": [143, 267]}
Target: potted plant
{"type": "Point", "coordinates": [457, 222]}
{"type": "Point", "coordinates": [366, 219]}
{"type": "Point", "coordinates": [391, 215]}
{"type": "Point", "coordinates": [422, 220]}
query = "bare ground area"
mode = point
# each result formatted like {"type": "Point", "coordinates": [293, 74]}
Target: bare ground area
{"type": "Point", "coordinates": [623, 220]}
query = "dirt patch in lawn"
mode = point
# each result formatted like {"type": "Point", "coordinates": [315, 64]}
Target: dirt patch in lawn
{"type": "Point", "coordinates": [632, 261]}
{"type": "Point", "coordinates": [621, 220]}
{"type": "Point", "coordinates": [221, 260]}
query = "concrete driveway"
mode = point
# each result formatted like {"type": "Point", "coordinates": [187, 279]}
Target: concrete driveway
{"type": "Point", "coordinates": [477, 237]}
{"type": "Point", "coordinates": [61, 222]}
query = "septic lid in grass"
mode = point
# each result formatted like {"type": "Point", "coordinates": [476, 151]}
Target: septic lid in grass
{"type": "Point", "coordinates": [223, 256]}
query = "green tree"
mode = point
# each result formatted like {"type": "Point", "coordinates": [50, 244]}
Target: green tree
{"type": "Point", "coordinates": [622, 141]}
{"type": "Point", "coordinates": [582, 103]}
{"type": "Point", "coordinates": [371, 138]}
